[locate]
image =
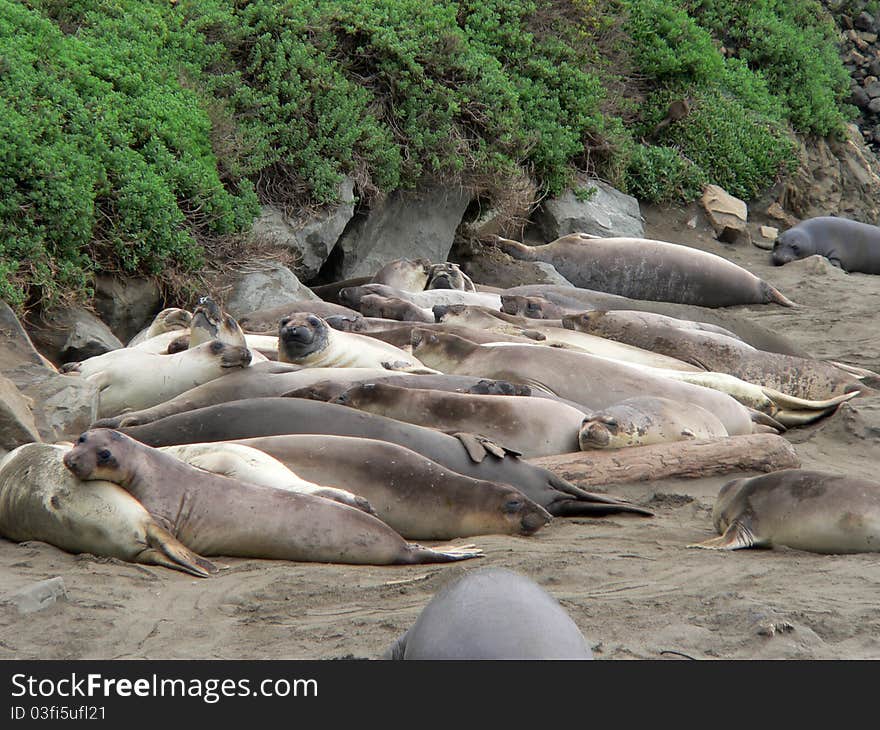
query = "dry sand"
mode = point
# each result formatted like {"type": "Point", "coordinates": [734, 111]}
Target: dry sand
{"type": "Point", "coordinates": [630, 584]}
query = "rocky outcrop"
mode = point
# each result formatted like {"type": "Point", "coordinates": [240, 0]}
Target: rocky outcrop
{"type": "Point", "coordinates": [267, 284]}
{"type": "Point", "coordinates": [727, 215]}
{"type": "Point", "coordinates": [126, 305]}
{"type": "Point", "coordinates": [71, 334]}
{"type": "Point", "coordinates": [403, 225]}
{"type": "Point", "coordinates": [311, 237]}
{"type": "Point", "coordinates": [16, 348]}
{"type": "Point", "coordinates": [17, 425]}
{"type": "Point", "coordinates": [491, 266]}
{"type": "Point", "coordinates": [604, 212]}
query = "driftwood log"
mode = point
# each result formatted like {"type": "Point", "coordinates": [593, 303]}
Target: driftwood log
{"type": "Point", "coordinates": [755, 452]}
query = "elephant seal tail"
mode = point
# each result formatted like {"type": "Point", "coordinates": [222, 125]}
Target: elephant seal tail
{"type": "Point", "coordinates": [772, 294]}
{"type": "Point", "coordinates": [588, 504]}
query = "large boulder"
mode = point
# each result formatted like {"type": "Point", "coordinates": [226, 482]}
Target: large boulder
{"type": "Point", "coordinates": [403, 225]}
{"type": "Point", "coordinates": [70, 334]}
{"type": "Point", "coordinates": [311, 237]}
{"type": "Point", "coordinates": [63, 406]}
{"type": "Point", "coordinates": [126, 305]}
{"type": "Point", "coordinates": [17, 425]}
{"type": "Point", "coordinates": [268, 284]}
{"type": "Point", "coordinates": [606, 212]}
{"type": "Point", "coordinates": [727, 214]}
{"type": "Point", "coordinates": [16, 347]}
{"type": "Point", "coordinates": [492, 267]}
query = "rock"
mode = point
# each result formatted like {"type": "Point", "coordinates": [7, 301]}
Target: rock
{"type": "Point", "coordinates": [490, 266]}
{"type": "Point", "coordinates": [71, 334]}
{"type": "Point", "coordinates": [268, 285]}
{"type": "Point", "coordinates": [775, 211]}
{"type": "Point", "coordinates": [874, 106]}
{"type": "Point", "coordinates": [404, 225]}
{"type": "Point", "coordinates": [864, 22]}
{"type": "Point", "coordinates": [37, 596]}
{"type": "Point", "coordinates": [727, 214]}
{"type": "Point", "coordinates": [607, 212]}
{"type": "Point", "coordinates": [312, 237]}
{"type": "Point", "coordinates": [511, 202]}
{"type": "Point", "coordinates": [873, 89]}
{"type": "Point", "coordinates": [17, 425]}
{"type": "Point", "coordinates": [766, 237]}
{"type": "Point", "coordinates": [769, 232]}
{"type": "Point", "coordinates": [873, 69]}
{"type": "Point", "coordinates": [16, 347]}
{"type": "Point", "coordinates": [126, 305]}
{"type": "Point", "coordinates": [867, 37]}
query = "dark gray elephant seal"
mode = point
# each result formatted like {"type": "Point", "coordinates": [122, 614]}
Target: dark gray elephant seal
{"type": "Point", "coordinates": [642, 268]}
{"type": "Point", "coordinates": [805, 510]}
{"type": "Point", "coordinates": [464, 453]}
{"type": "Point", "coordinates": [216, 515]}
{"type": "Point", "coordinates": [492, 613]}
{"type": "Point", "coordinates": [847, 244]}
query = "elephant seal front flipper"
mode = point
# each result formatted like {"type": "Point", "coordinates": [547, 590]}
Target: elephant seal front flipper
{"type": "Point", "coordinates": [737, 536]}
{"type": "Point", "coordinates": [166, 550]}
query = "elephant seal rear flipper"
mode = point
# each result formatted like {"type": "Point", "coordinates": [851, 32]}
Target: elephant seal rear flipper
{"type": "Point", "coordinates": [166, 550]}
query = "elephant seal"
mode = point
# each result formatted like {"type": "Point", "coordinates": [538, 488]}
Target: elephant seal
{"type": "Point", "coordinates": [847, 244]}
{"type": "Point", "coordinates": [492, 613]}
{"type": "Point", "coordinates": [330, 292]}
{"type": "Point", "coordinates": [464, 453]}
{"type": "Point", "coordinates": [265, 321]}
{"type": "Point", "coordinates": [406, 274]}
{"type": "Point", "coordinates": [351, 296]}
{"type": "Point", "coordinates": [307, 340]}
{"type": "Point", "coordinates": [374, 305]}
{"type": "Point", "coordinates": [647, 420]}
{"type": "Point", "coordinates": [531, 426]}
{"type": "Point", "coordinates": [534, 307]}
{"type": "Point", "coordinates": [401, 335]}
{"type": "Point", "coordinates": [805, 510]}
{"type": "Point", "coordinates": [41, 500]}
{"type": "Point", "coordinates": [591, 381]}
{"type": "Point", "coordinates": [418, 497]}
{"type": "Point", "coordinates": [643, 268]}
{"type": "Point", "coordinates": [209, 322]}
{"type": "Point", "coordinates": [134, 379]}
{"type": "Point", "coordinates": [168, 320]}
{"type": "Point", "coordinates": [216, 515]}
{"type": "Point", "coordinates": [449, 276]}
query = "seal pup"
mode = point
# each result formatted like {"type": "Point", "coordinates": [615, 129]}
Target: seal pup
{"type": "Point", "coordinates": [647, 420]}
{"type": "Point", "coordinates": [847, 244]}
{"type": "Point", "coordinates": [492, 613]}
{"type": "Point", "coordinates": [41, 500]}
{"type": "Point", "coordinates": [466, 454]}
{"type": "Point", "coordinates": [449, 276]}
{"type": "Point", "coordinates": [406, 274]}
{"type": "Point", "coordinates": [374, 305]}
{"type": "Point", "coordinates": [307, 340]}
{"type": "Point", "coordinates": [135, 379]}
{"type": "Point", "coordinates": [532, 427]}
{"type": "Point", "coordinates": [419, 498]}
{"type": "Point", "coordinates": [168, 320]}
{"type": "Point", "coordinates": [806, 510]}
{"type": "Point", "coordinates": [643, 268]}
{"type": "Point", "coordinates": [216, 515]}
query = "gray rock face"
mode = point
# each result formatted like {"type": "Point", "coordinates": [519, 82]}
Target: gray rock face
{"type": "Point", "coordinates": [404, 225]}
{"type": "Point", "coordinates": [126, 305]}
{"type": "Point", "coordinates": [17, 425]}
{"type": "Point", "coordinates": [269, 286]}
{"type": "Point", "coordinates": [71, 334]}
{"type": "Point", "coordinates": [16, 347]}
{"type": "Point", "coordinates": [495, 268]}
{"type": "Point", "coordinates": [608, 212]}
{"type": "Point", "coordinates": [313, 238]}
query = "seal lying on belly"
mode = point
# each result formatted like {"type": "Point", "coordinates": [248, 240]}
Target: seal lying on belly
{"type": "Point", "coordinates": [492, 613]}
{"type": "Point", "coordinates": [216, 515]}
{"type": "Point", "coordinates": [465, 453]}
{"type": "Point", "coordinates": [533, 427]}
{"type": "Point", "coordinates": [41, 500]}
{"type": "Point", "coordinates": [351, 296]}
{"type": "Point", "coordinates": [642, 268]}
{"type": "Point", "coordinates": [265, 321]}
{"type": "Point", "coordinates": [418, 497]}
{"type": "Point", "coordinates": [805, 510]}
{"type": "Point", "coordinates": [847, 244]}
{"type": "Point", "coordinates": [373, 305]}
{"type": "Point", "coordinates": [168, 320]}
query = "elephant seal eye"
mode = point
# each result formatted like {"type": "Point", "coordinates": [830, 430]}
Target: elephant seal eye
{"type": "Point", "coordinates": [313, 320]}
{"type": "Point", "coordinates": [104, 454]}
{"type": "Point", "coordinates": [284, 321]}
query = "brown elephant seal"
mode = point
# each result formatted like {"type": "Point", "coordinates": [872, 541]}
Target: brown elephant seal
{"type": "Point", "coordinates": [401, 335]}
{"type": "Point", "coordinates": [216, 515]}
{"type": "Point", "coordinates": [801, 509]}
{"type": "Point", "coordinates": [330, 292]}
{"type": "Point", "coordinates": [168, 320]}
{"type": "Point", "coordinates": [533, 307]}
{"type": "Point", "coordinates": [531, 426]}
{"type": "Point", "coordinates": [209, 322]}
{"type": "Point", "coordinates": [643, 268]}
{"type": "Point", "coordinates": [419, 498]}
{"type": "Point", "coordinates": [351, 296]}
{"type": "Point", "coordinates": [374, 305]}
{"type": "Point", "coordinates": [449, 276]}
{"type": "Point", "coordinates": [41, 500]}
{"type": "Point", "coordinates": [466, 454]}
{"type": "Point", "coordinates": [134, 379]}
{"type": "Point", "coordinates": [591, 381]}
{"type": "Point", "coordinates": [330, 389]}
{"type": "Point", "coordinates": [492, 613]}
{"type": "Point", "coordinates": [308, 341]}
{"type": "Point", "coordinates": [406, 274]}
{"type": "Point", "coordinates": [847, 244]}
{"type": "Point", "coordinates": [647, 420]}
{"type": "Point", "coordinates": [265, 321]}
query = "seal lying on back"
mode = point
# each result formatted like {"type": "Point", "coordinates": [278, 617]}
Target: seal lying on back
{"type": "Point", "coordinates": [307, 340]}
{"type": "Point", "coordinates": [642, 268]}
{"type": "Point", "coordinates": [492, 613]}
{"type": "Point", "coordinates": [216, 515]}
{"type": "Point", "coordinates": [847, 244]}
{"type": "Point", "coordinates": [41, 500]}
{"type": "Point", "coordinates": [464, 453]}
{"type": "Point", "coordinates": [532, 427]}
{"type": "Point", "coordinates": [805, 510]}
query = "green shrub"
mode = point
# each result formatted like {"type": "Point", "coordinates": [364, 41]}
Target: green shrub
{"type": "Point", "coordinates": [661, 174]}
